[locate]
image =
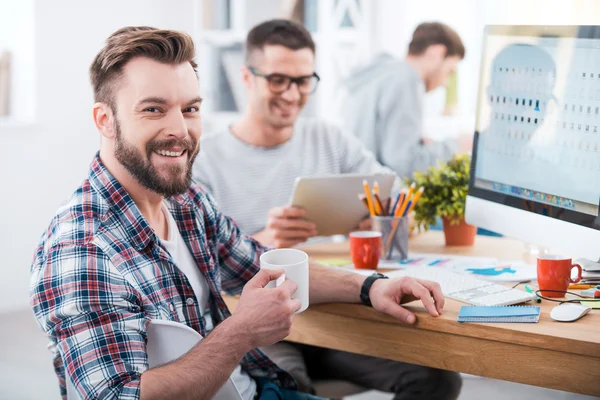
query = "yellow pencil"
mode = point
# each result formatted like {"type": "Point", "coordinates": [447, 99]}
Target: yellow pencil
{"type": "Point", "coordinates": [416, 198]}
{"type": "Point", "coordinates": [378, 210]}
{"type": "Point", "coordinates": [369, 200]}
{"type": "Point", "coordinates": [411, 190]}
{"type": "Point", "coordinates": [578, 286]}
{"type": "Point", "coordinates": [399, 201]}
{"type": "Point", "coordinates": [378, 206]}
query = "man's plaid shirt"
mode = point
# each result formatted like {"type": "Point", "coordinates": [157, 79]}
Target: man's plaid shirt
{"type": "Point", "coordinates": [100, 275]}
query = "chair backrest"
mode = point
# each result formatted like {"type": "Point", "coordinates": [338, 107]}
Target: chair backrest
{"type": "Point", "coordinates": [167, 341]}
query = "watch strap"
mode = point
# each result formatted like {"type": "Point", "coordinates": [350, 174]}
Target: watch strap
{"type": "Point", "coordinates": [366, 288]}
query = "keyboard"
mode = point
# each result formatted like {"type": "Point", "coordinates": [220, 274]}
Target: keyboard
{"type": "Point", "coordinates": [467, 288]}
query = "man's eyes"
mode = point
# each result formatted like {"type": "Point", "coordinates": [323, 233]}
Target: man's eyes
{"type": "Point", "coordinates": [193, 109]}
{"type": "Point", "coordinates": [152, 110]}
{"type": "Point", "coordinates": [278, 79]}
{"type": "Point", "coordinates": [155, 110]}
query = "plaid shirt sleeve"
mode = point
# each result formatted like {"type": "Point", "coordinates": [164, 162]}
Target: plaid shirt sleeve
{"type": "Point", "coordinates": [238, 253]}
{"type": "Point", "coordinates": [80, 299]}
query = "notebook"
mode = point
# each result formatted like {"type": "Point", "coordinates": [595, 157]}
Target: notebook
{"type": "Point", "coordinates": [527, 314]}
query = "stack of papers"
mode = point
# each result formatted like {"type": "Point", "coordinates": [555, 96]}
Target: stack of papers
{"type": "Point", "coordinates": [527, 314]}
{"type": "Point", "coordinates": [590, 277]}
{"type": "Point", "coordinates": [591, 271]}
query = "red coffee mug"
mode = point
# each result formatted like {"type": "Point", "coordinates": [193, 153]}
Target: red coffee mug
{"type": "Point", "coordinates": [365, 248]}
{"type": "Point", "coordinates": [554, 273]}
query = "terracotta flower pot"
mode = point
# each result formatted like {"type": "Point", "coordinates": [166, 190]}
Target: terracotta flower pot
{"type": "Point", "coordinates": [461, 234]}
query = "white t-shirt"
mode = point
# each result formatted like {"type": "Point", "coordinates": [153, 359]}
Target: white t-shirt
{"type": "Point", "coordinates": [185, 262]}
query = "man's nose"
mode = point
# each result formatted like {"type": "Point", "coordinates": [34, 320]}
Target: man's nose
{"type": "Point", "coordinates": [292, 93]}
{"type": "Point", "coordinates": [176, 125]}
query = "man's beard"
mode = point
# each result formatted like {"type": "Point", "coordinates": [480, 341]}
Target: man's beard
{"type": "Point", "coordinates": [179, 179]}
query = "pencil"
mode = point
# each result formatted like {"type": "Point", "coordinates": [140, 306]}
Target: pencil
{"type": "Point", "coordinates": [398, 202]}
{"type": "Point", "coordinates": [397, 212]}
{"type": "Point", "coordinates": [411, 190]}
{"type": "Point", "coordinates": [415, 199]}
{"type": "Point", "coordinates": [388, 203]}
{"type": "Point", "coordinates": [400, 212]}
{"type": "Point", "coordinates": [368, 195]}
{"type": "Point", "coordinates": [376, 188]}
{"type": "Point", "coordinates": [577, 286]}
{"type": "Point", "coordinates": [363, 198]}
{"type": "Point", "coordinates": [378, 206]}
{"type": "Point", "coordinates": [408, 207]}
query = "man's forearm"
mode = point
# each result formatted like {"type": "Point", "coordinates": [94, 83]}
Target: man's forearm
{"type": "Point", "coordinates": [331, 285]}
{"type": "Point", "coordinates": [201, 372]}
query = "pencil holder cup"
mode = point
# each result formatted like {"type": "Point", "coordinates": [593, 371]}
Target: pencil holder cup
{"type": "Point", "coordinates": [394, 237]}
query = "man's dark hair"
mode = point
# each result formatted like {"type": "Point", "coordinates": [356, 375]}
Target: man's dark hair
{"type": "Point", "coordinates": [282, 32]}
{"type": "Point", "coordinates": [430, 33]}
{"type": "Point", "coordinates": [168, 47]}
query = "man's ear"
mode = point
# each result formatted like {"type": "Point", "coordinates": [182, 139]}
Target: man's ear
{"type": "Point", "coordinates": [436, 51]}
{"type": "Point", "coordinates": [246, 75]}
{"type": "Point", "coordinates": [104, 120]}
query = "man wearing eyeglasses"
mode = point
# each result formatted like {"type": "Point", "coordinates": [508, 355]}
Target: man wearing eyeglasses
{"type": "Point", "coordinates": [250, 170]}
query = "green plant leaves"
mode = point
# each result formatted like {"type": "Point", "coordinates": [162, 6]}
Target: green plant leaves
{"type": "Point", "coordinates": [446, 187]}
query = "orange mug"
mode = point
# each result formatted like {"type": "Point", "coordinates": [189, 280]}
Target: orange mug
{"type": "Point", "coordinates": [554, 274]}
{"type": "Point", "coordinates": [365, 248]}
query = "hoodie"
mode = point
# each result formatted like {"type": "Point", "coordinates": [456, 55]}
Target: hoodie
{"type": "Point", "coordinates": [383, 107]}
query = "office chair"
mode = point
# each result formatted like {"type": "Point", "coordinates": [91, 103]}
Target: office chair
{"type": "Point", "coordinates": [167, 341]}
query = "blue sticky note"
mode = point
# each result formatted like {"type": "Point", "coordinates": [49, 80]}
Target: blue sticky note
{"type": "Point", "coordinates": [519, 314]}
{"type": "Point", "coordinates": [498, 311]}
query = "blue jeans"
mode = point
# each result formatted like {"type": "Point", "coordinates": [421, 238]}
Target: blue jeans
{"type": "Point", "coordinates": [269, 391]}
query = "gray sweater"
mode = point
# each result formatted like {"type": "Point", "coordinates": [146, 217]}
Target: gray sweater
{"type": "Point", "coordinates": [383, 107]}
{"type": "Point", "coordinates": [247, 181]}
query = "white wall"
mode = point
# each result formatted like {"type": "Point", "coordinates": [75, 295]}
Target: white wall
{"type": "Point", "coordinates": [42, 165]}
{"type": "Point", "coordinates": [17, 37]}
{"type": "Point", "coordinates": [397, 19]}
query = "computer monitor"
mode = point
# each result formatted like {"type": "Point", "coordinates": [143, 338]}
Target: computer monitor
{"type": "Point", "coordinates": [535, 172]}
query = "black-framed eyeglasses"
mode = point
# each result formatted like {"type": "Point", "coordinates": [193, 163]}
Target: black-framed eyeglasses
{"type": "Point", "coordinates": [279, 83]}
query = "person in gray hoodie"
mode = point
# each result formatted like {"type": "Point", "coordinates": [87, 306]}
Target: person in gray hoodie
{"type": "Point", "coordinates": [383, 103]}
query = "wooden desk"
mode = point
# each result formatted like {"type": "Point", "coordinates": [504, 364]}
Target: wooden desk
{"type": "Point", "coordinates": [563, 356]}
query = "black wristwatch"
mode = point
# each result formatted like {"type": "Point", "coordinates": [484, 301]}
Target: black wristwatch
{"type": "Point", "coordinates": [366, 287]}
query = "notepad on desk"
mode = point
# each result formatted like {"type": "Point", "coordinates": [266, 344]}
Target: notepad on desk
{"type": "Point", "coordinates": [526, 314]}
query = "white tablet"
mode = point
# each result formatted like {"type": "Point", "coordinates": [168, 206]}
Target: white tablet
{"type": "Point", "coordinates": [331, 201]}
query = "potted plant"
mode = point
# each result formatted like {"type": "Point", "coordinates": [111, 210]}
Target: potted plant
{"type": "Point", "coordinates": [445, 194]}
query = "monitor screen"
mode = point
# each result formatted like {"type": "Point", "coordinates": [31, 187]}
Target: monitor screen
{"type": "Point", "coordinates": [537, 135]}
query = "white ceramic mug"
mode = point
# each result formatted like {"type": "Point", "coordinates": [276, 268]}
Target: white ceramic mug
{"type": "Point", "coordinates": [294, 264]}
